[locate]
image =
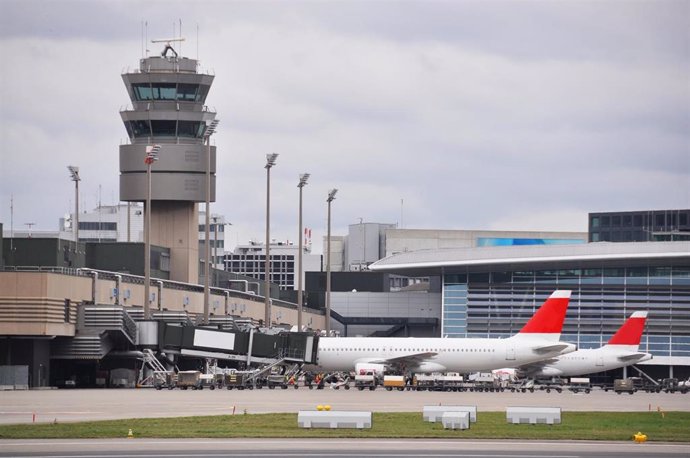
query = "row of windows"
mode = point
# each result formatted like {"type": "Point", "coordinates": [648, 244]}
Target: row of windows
{"type": "Point", "coordinates": [637, 236]}
{"type": "Point", "coordinates": [254, 266]}
{"type": "Point", "coordinates": [214, 244]}
{"type": "Point", "coordinates": [165, 128]}
{"type": "Point", "coordinates": [212, 227]}
{"type": "Point", "coordinates": [417, 350]}
{"type": "Point", "coordinates": [96, 226]}
{"type": "Point", "coordinates": [654, 220]}
{"type": "Point", "coordinates": [181, 92]}
{"type": "Point", "coordinates": [259, 257]}
{"type": "Point", "coordinates": [604, 276]}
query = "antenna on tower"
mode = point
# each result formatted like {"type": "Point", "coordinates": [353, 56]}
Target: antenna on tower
{"type": "Point", "coordinates": [180, 34]}
{"type": "Point", "coordinates": [146, 37]}
{"type": "Point", "coordinates": [168, 46]}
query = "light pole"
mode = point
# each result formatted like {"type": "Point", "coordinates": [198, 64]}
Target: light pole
{"type": "Point", "coordinates": [74, 171]}
{"type": "Point", "coordinates": [331, 197]}
{"type": "Point", "coordinates": [215, 245]}
{"type": "Point", "coordinates": [151, 157]}
{"type": "Point", "coordinates": [302, 182]}
{"type": "Point", "coordinates": [270, 162]}
{"type": "Point", "coordinates": [210, 129]}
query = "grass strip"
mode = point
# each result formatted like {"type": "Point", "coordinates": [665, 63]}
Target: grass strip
{"type": "Point", "coordinates": [610, 426]}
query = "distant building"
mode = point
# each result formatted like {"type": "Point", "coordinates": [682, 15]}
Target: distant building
{"type": "Point", "coordinates": [249, 260]}
{"type": "Point", "coordinates": [110, 223]}
{"type": "Point", "coordinates": [490, 292]}
{"type": "Point", "coordinates": [640, 226]}
{"type": "Point", "coordinates": [107, 223]}
{"type": "Point", "coordinates": [367, 243]}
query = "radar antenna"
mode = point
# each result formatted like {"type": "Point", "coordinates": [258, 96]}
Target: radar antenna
{"type": "Point", "coordinates": [168, 46]}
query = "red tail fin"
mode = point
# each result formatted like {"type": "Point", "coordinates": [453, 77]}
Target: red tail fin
{"type": "Point", "coordinates": [631, 331]}
{"type": "Point", "coordinates": [549, 318]}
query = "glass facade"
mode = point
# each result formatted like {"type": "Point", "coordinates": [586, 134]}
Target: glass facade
{"type": "Point", "coordinates": [170, 91]}
{"type": "Point", "coordinates": [253, 265]}
{"type": "Point", "coordinates": [165, 128]}
{"type": "Point", "coordinates": [641, 226]}
{"type": "Point", "coordinates": [497, 303]}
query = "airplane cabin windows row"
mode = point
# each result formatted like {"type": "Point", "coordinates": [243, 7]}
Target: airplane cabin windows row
{"type": "Point", "coordinates": [463, 350]}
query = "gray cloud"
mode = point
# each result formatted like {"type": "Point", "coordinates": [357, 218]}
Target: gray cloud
{"type": "Point", "coordinates": [505, 115]}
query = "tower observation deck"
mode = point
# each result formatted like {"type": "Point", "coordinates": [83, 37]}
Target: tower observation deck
{"type": "Point", "coordinates": [168, 98]}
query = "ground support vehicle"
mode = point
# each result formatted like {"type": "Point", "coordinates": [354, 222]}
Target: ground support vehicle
{"type": "Point", "coordinates": [366, 380]}
{"type": "Point", "coordinates": [580, 385]}
{"type": "Point", "coordinates": [207, 381]}
{"type": "Point", "coordinates": [422, 382]}
{"type": "Point", "coordinates": [189, 379]}
{"type": "Point", "coordinates": [339, 380]}
{"type": "Point", "coordinates": [451, 381]}
{"type": "Point", "coordinates": [551, 385]}
{"type": "Point", "coordinates": [165, 380]}
{"type": "Point", "coordinates": [485, 381]}
{"type": "Point", "coordinates": [239, 380]}
{"type": "Point", "coordinates": [274, 381]}
{"type": "Point", "coordinates": [624, 385]}
{"type": "Point", "coordinates": [673, 385]}
{"type": "Point", "coordinates": [391, 382]}
{"type": "Point", "coordinates": [523, 386]}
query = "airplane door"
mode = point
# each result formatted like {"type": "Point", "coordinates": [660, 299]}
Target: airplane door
{"type": "Point", "coordinates": [510, 354]}
{"type": "Point", "coordinates": [600, 361]}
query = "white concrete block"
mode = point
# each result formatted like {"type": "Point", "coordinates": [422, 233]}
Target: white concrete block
{"type": "Point", "coordinates": [534, 415]}
{"type": "Point", "coordinates": [333, 419]}
{"type": "Point", "coordinates": [434, 413]}
{"type": "Point", "coordinates": [456, 420]}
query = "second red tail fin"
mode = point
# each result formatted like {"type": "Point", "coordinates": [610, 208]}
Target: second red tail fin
{"type": "Point", "coordinates": [631, 331]}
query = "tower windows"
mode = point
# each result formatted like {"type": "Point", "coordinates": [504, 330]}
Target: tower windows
{"type": "Point", "coordinates": [194, 129]}
{"type": "Point", "coordinates": [161, 128]}
{"type": "Point", "coordinates": [165, 128]}
{"type": "Point", "coordinates": [181, 92]}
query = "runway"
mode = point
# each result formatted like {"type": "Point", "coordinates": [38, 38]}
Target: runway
{"type": "Point", "coordinates": [337, 448]}
{"type": "Point", "coordinates": [102, 404]}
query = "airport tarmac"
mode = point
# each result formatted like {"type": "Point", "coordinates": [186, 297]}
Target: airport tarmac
{"type": "Point", "coordinates": [336, 448]}
{"type": "Point", "coordinates": [101, 404]}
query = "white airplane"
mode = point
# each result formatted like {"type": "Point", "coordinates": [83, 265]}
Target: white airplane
{"type": "Point", "coordinates": [621, 350]}
{"type": "Point", "coordinates": [537, 340]}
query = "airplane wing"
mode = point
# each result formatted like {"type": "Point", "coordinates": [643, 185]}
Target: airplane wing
{"type": "Point", "coordinates": [537, 366]}
{"type": "Point", "coordinates": [413, 359]}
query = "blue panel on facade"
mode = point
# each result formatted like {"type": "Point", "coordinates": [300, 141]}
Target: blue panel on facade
{"type": "Point", "coordinates": [503, 241]}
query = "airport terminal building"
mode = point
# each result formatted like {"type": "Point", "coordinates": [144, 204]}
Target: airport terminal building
{"type": "Point", "coordinates": [492, 291]}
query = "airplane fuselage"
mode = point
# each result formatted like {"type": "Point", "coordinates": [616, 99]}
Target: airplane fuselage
{"type": "Point", "coordinates": [591, 361]}
{"type": "Point", "coordinates": [436, 354]}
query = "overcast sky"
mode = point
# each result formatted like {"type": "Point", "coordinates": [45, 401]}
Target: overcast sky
{"type": "Point", "coordinates": [508, 115]}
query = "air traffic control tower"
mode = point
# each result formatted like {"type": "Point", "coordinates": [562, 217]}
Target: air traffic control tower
{"type": "Point", "coordinates": [168, 97]}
